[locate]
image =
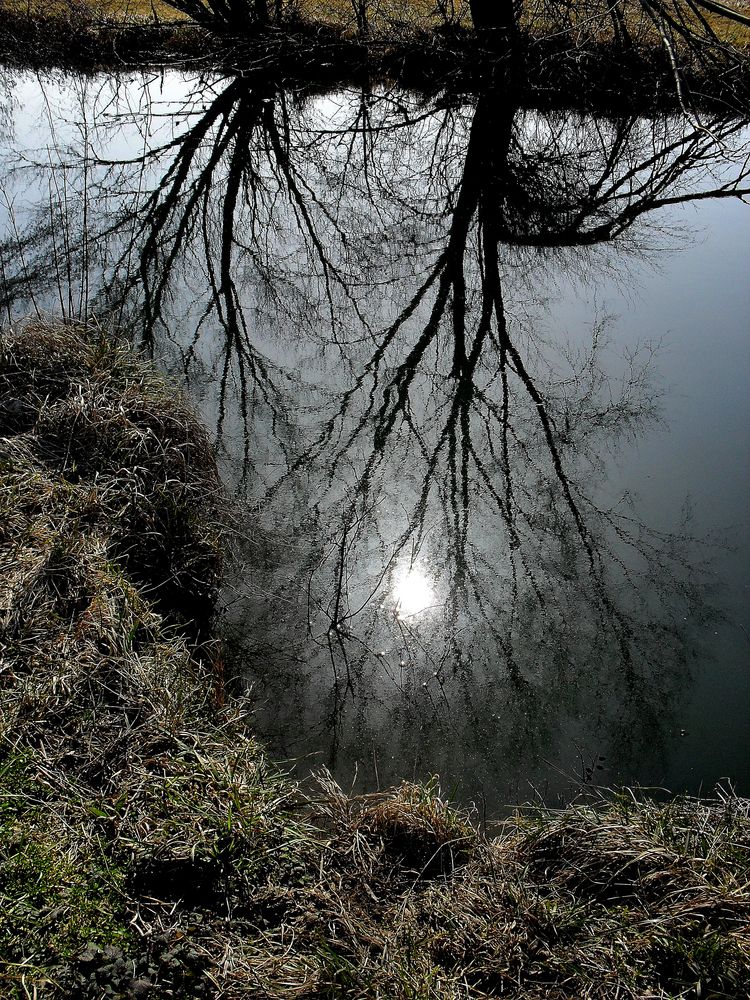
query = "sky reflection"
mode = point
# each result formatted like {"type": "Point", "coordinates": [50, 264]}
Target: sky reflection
{"type": "Point", "coordinates": [454, 561]}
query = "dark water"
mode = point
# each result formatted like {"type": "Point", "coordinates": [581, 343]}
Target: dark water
{"type": "Point", "coordinates": [478, 374]}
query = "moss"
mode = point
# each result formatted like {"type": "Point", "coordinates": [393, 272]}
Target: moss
{"type": "Point", "coordinates": [59, 893]}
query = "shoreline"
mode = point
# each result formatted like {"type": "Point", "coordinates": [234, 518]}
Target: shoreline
{"type": "Point", "coordinates": [550, 71]}
{"type": "Point", "coordinates": [149, 848]}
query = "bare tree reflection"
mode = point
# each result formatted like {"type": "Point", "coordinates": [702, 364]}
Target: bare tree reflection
{"type": "Point", "coordinates": [466, 410]}
{"type": "Point", "coordinates": [361, 286]}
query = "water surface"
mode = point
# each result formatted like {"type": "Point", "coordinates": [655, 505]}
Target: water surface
{"type": "Point", "coordinates": [477, 374]}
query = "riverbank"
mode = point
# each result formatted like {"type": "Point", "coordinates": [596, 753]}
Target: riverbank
{"type": "Point", "coordinates": [552, 67]}
{"type": "Point", "coordinates": [149, 848]}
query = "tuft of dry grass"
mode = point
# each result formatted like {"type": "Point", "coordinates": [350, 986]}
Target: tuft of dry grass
{"type": "Point", "coordinates": [149, 849]}
{"type": "Point", "coordinates": [105, 473]}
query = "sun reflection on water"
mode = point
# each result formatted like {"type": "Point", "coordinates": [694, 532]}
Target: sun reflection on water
{"type": "Point", "coordinates": [412, 592]}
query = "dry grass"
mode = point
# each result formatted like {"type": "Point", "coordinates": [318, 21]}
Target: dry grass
{"type": "Point", "coordinates": [107, 472]}
{"type": "Point", "coordinates": [148, 849]}
{"type": "Point", "coordinates": [124, 10]}
{"type": "Point", "coordinates": [576, 49]}
{"type": "Point", "coordinates": [609, 62]}
{"type": "Point", "coordinates": [338, 11]}
{"type": "Point", "coordinates": [540, 16]}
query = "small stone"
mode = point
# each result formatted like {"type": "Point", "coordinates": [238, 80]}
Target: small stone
{"type": "Point", "coordinates": [89, 954]}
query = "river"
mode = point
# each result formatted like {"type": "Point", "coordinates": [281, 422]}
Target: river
{"type": "Point", "coordinates": [477, 376]}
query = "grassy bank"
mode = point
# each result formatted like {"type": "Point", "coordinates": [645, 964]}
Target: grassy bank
{"type": "Point", "coordinates": [381, 16]}
{"type": "Point", "coordinates": [148, 847]}
{"type": "Point", "coordinates": [564, 52]}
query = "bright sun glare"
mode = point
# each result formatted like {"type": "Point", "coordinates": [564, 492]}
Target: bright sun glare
{"type": "Point", "coordinates": [413, 593]}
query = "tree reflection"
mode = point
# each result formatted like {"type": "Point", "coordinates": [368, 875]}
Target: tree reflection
{"type": "Point", "coordinates": [368, 307]}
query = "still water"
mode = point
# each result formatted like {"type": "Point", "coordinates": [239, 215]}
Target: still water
{"type": "Point", "coordinates": [477, 374]}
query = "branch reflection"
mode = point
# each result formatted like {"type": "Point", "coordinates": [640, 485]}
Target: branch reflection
{"type": "Point", "coordinates": [361, 287]}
